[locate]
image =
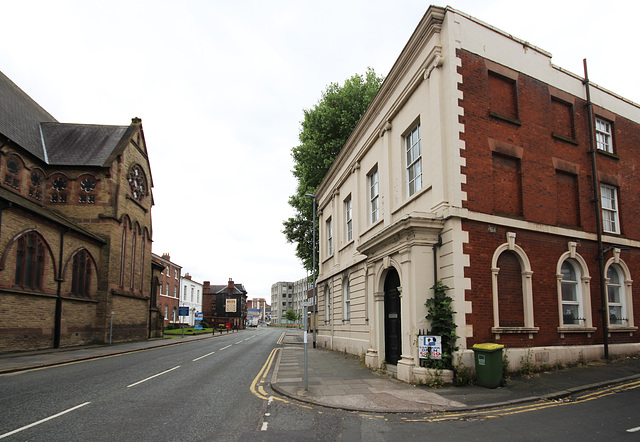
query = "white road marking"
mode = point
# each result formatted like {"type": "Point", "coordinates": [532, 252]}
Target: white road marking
{"type": "Point", "coordinates": [2, 436]}
{"type": "Point", "coordinates": [633, 430]}
{"type": "Point", "coordinates": [225, 347]}
{"type": "Point", "coordinates": [264, 426]}
{"type": "Point", "coordinates": [151, 377]}
{"type": "Point", "coordinates": [203, 356]}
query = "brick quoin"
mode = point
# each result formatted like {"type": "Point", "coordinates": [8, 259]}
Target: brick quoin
{"type": "Point", "coordinates": [544, 190]}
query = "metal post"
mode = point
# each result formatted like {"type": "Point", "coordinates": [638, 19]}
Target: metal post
{"type": "Point", "coordinates": [315, 294]}
{"type": "Point", "coordinates": [111, 328]}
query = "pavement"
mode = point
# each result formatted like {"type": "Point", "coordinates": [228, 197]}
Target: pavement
{"type": "Point", "coordinates": [338, 380]}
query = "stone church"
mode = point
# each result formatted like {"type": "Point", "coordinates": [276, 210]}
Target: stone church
{"type": "Point", "coordinates": [75, 230]}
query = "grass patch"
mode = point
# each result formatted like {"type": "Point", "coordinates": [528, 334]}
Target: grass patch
{"type": "Point", "coordinates": [188, 331]}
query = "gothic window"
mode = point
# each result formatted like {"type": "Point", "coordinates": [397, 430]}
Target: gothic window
{"type": "Point", "coordinates": [11, 176]}
{"type": "Point", "coordinates": [87, 185]}
{"type": "Point", "coordinates": [35, 186]}
{"type": "Point", "coordinates": [29, 262]}
{"type": "Point", "coordinates": [137, 183]}
{"type": "Point", "coordinates": [81, 275]}
{"type": "Point", "coordinates": [59, 194]}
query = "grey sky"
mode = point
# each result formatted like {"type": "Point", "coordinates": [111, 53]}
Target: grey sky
{"type": "Point", "coordinates": [221, 86]}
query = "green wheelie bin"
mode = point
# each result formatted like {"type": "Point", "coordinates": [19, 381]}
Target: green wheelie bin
{"type": "Point", "coordinates": [488, 359]}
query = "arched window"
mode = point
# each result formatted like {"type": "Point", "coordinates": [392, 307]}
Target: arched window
{"type": "Point", "coordinates": [572, 305]}
{"type": "Point", "coordinates": [511, 271]}
{"type": "Point", "coordinates": [12, 174]}
{"type": "Point", "coordinates": [81, 275]}
{"type": "Point", "coordinates": [87, 193]}
{"type": "Point", "coordinates": [29, 262]}
{"type": "Point", "coordinates": [619, 294]}
{"type": "Point", "coordinates": [574, 292]}
{"type": "Point", "coordinates": [35, 185]}
{"type": "Point", "coordinates": [616, 296]}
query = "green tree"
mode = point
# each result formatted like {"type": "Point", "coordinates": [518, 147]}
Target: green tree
{"type": "Point", "coordinates": [325, 129]}
{"type": "Point", "coordinates": [291, 316]}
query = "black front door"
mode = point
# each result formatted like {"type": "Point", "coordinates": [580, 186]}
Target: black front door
{"type": "Point", "coordinates": [392, 325]}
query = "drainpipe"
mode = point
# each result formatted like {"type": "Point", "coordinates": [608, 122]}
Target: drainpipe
{"type": "Point", "coordinates": [596, 197]}
{"type": "Point", "coordinates": [58, 314]}
{"type": "Point", "coordinates": [435, 259]}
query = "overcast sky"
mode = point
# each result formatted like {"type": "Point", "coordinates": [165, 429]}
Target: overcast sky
{"type": "Point", "coordinates": [221, 86]}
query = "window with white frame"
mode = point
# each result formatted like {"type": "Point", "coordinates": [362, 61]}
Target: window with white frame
{"type": "Point", "coordinates": [603, 135]}
{"type": "Point", "coordinates": [616, 297]}
{"type": "Point", "coordinates": [175, 291]}
{"type": "Point", "coordinates": [167, 291]}
{"type": "Point", "coordinates": [572, 312]}
{"type": "Point", "coordinates": [192, 294]}
{"type": "Point", "coordinates": [348, 219]}
{"type": "Point", "coordinates": [374, 194]}
{"type": "Point", "coordinates": [347, 300]}
{"type": "Point", "coordinates": [166, 312]}
{"type": "Point", "coordinates": [414, 160]}
{"type": "Point", "coordinates": [329, 238]}
{"type": "Point", "coordinates": [184, 293]}
{"type": "Point", "coordinates": [609, 201]}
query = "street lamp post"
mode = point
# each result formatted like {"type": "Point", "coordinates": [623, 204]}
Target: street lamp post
{"type": "Point", "coordinates": [315, 297]}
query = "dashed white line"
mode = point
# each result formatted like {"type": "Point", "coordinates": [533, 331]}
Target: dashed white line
{"type": "Point", "coordinates": [633, 430]}
{"type": "Point", "coordinates": [2, 436]}
{"type": "Point", "coordinates": [151, 377]}
{"type": "Point", "coordinates": [203, 356]}
{"type": "Point", "coordinates": [264, 426]}
{"type": "Point", "coordinates": [225, 347]}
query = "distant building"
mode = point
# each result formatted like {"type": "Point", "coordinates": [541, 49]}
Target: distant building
{"type": "Point", "coordinates": [225, 305]}
{"type": "Point", "coordinates": [191, 297]}
{"type": "Point", "coordinates": [169, 296]}
{"type": "Point", "coordinates": [259, 304]}
{"type": "Point", "coordinates": [75, 205]}
{"type": "Point", "coordinates": [281, 301]}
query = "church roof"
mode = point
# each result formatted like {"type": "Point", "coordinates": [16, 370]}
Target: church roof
{"type": "Point", "coordinates": [27, 124]}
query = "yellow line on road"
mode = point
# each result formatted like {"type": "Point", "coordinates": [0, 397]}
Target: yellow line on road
{"type": "Point", "coordinates": [257, 386]}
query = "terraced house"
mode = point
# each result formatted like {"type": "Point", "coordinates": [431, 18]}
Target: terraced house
{"type": "Point", "coordinates": [483, 165]}
{"type": "Point", "coordinates": [75, 230]}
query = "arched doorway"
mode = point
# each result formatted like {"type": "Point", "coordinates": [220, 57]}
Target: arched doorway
{"type": "Point", "coordinates": [392, 320]}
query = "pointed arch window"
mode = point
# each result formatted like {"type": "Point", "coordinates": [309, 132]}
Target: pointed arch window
{"type": "Point", "coordinates": [29, 262]}
{"type": "Point", "coordinates": [11, 176]}
{"type": "Point", "coordinates": [81, 275]}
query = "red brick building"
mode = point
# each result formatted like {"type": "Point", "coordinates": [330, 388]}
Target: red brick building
{"type": "Point", "coordinates": [224, 305]}
{"type": "Point", "coordinates": [514, 182]}
{"type": "Point", "coordinates": [75, 204]}
{"type": "Point", "coordinates": [168, 289]}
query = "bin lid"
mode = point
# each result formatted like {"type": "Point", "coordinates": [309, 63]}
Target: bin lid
{"type": "Point", "coordinates": [488, 346]}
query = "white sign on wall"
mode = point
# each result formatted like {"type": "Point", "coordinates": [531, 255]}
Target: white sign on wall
{"type": "Point", "coordinates": [430, 347]}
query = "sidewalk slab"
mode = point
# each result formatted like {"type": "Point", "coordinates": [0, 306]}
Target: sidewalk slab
{"type": "Point", "coordinates": [339, 380]}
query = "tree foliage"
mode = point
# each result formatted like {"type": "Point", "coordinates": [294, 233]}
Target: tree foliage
{"type": "Point", "coordinates": [325, 129]}
{"type": "Point", "coordinates": [291, 315]}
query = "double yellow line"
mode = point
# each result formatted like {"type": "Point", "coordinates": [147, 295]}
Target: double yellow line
{"type": "Point", "coordinates": [257, 386]}
{"type": "Point", "coordinates": [495, 413]}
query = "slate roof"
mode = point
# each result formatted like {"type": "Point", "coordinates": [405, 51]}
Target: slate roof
{"type": "Point", "coordinates": [20, 117]}
{"type": "Point", "coordinates": [81, 144]}
{"type": "Point", "coordinates": [27, 124]}
{"type": "Point", "coordinates": [238, 289]}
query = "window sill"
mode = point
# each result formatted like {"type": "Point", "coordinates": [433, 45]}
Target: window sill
{"type": "Point", "coordinates": [564, 138]}
{"type": "Point", "coordinates": [613, 156]}
{"type": "Point", "coordinates": [576, 329]}
{"type": "Point", "coordinates": [622, 329]}
{"type": "Point", "coordinates": [498, 116]}
{"type": "Point", "coordinates": [372, 226]}
{"type": "Point", "coordinates": [351, 241]}
{"type": "Point", "coordinates": [513, 330]}
{"type": "Point", "coordinates": [412, 198]}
